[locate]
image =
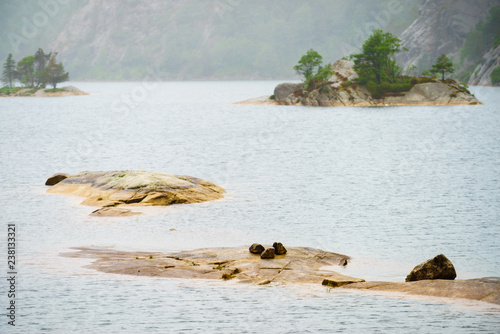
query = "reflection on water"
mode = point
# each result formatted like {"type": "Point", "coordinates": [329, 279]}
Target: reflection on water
{"type": "Point", "coordinates": [390, 187]}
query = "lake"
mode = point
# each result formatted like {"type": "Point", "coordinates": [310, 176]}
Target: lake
{"type": "Point", "coordinates": [391, 187]}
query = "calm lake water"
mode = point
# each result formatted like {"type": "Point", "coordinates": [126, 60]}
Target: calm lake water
{"type": "Point", "coordinates": [390, 187]}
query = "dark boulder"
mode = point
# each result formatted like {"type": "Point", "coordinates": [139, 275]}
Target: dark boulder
{"type": "Point", "coordinates": [283, 90]}
{"type": "Point", "coordinates": [437, 268]}
{"type": "Point", "coordinates": [279, 249]}
{"type": "Point", "coordinates": [56, 178]}
{"type": "Point", "coordinates": [268, 253]}
{"type": "Point", "coordinates": [256, 249]}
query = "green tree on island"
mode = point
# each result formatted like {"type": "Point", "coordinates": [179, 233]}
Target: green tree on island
{"type": "Point", "coordinates": [40, 62]}
{"type": "Point", "coordinates": [26, 71]}
{"type": "Point", "coordinates": [54, 72]}
{"type": "Point", "coordinates": [310, 68]}
{"type": "Point", "coordinates": [33, 71]}
{"type": "Point", "coordinates": [377, 59]}
{"type": "Point", "coordinates": [9, 71]}
{"type": "Point", "coordinates": [308, 64]}
{"type": "Point", "coordinates": [442, 66]}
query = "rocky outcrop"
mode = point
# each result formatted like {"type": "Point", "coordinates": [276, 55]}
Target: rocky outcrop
{"type": "Point", "coordinates": [300, 265]}
{"type": "Point", "coordinates": [342, 71]}
{"type": "Point", "coordinates": [56, 178]}
{"type": "Point", "coordinates": [441, 27]}
{"type": "Point", "coordinates": [283, 90]}
{"type": "Point", "coordinates": [342, 91]}
{"type": "Point", "coordinates": [137, 188]}
{"type": "Point", "coordinates": [448, 92]}
{"type": "Point", "coordinates": [438, 267]}
{"type": "Point", "coordinates": [481, 75]}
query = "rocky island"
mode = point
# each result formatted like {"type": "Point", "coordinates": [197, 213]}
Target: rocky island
{"type": "Point", "coordinates": [42, 92]}
{"type": "Point", "coordinates": [133, 188]}
{"type": "Point", "coordinates": [371, 78]}
{"type": "Point", "coordinates": [341, 90]}
{"type": "Point", "coordinates": [35, 73]}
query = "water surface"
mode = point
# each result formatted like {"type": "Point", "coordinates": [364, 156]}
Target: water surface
{"type": "Point", "coordinates": [390, 187]}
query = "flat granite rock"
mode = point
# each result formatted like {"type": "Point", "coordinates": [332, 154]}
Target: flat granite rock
{"type": "Point", "coordinates": [483, 289]}
{"type": "Point", "coordinates": [299, 265]}
{"type": "Point", "coordinates": [137, 188]}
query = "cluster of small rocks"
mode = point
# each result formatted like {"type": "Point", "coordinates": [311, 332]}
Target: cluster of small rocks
{"type": "Point", "coordinates": [268, 253]}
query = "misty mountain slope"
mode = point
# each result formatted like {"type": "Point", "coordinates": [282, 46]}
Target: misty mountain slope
{"type": "Point", "coordinates": [120, 39]}
{"type": "Point", "coordinates": [26, 25]}
{"type": "Point", "coordinates": [225, 39]}
{"type": "Point", "coordinates": [441, 27]}
{"type": "Point", "coordinates": [481, 73]}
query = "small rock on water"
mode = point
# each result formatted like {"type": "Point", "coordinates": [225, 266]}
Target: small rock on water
{"type": "Point", "coordinates": [268, 253]}
{"type": "Point", "coordinates": [279, 249]}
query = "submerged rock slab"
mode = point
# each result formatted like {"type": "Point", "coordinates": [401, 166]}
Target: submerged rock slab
{"type": "Point", "coordinates": [137, 188]}
{"type": "Point", "coordinates": [113, 212]}
{"type": "Point", "coordinates": [299, 265]}
{"type": "Point", "coordinates": [483, 289]}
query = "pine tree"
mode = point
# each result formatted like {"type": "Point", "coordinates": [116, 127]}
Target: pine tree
{"type": "Point", "coordinates": [442, 66]}
{"type": "Point", "coordinates": [9, 71]}
{"type": "Point", "coordinates": [377, 60]}
{"type": "Point", "coordinates": [54, 72]}
{"type": "Point", "coordinates": [41, 59]}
